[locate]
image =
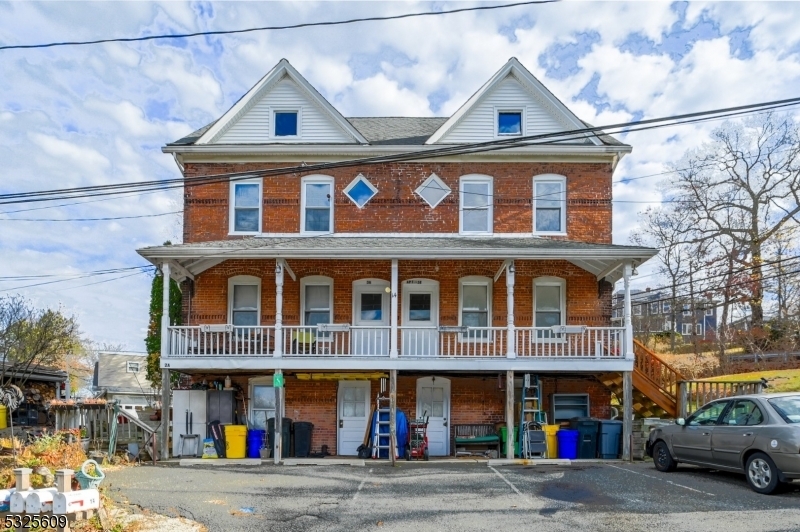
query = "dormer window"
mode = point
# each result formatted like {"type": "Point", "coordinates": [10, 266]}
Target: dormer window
{"type": "Point", "coordinates": [286, 123]}
{"type": "Point", "coordinates": [509, 123]}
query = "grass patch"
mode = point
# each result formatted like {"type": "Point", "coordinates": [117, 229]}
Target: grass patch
{"type": "Point", "coordinates": [779, 380]}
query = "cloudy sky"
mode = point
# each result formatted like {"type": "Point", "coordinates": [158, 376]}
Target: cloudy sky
{"type": "Point", "coordinates": [89, 115]}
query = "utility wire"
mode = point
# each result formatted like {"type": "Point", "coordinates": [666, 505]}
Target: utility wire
{"type": "Point", "coordinates": [143, 268]}
{"type": "Point", "coordinates": [94, 272]}
{"type": "Point", "coordinates": [274, 28]}
{"type": "Point", "coordinates": [35, 196]}
{"type": "Point", "coordinates": [87, 219]}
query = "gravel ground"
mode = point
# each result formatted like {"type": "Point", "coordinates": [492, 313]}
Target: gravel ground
{"type": "Point", "coordinates": [464, 496]}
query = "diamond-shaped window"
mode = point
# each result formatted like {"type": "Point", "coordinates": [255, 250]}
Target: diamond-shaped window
{"type": "Point", "coordinates": [433, 190]}
{"type": "Point", "coordinates": [360, 191]}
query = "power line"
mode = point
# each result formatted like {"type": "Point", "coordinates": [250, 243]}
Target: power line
{"type": "Point", "coordinates": [143, 268]}
{"type": "Point", "coordinates": [274, 28]}
{"type": "Point", "coordinates": [560, 137]}
{"type": "Point", "coordinates": [111, 270]}
{"type": "Point", "coordinates": [87, 219]}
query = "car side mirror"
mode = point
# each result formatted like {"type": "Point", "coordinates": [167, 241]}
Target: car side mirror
{"type": "Point", "coordinates": [680, 421]}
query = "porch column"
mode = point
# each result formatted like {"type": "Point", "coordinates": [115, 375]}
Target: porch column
{"type": "Point", "coordinates": [277, 450]}
{"type": "Point", "coordinates": [627, 414]}
{"type": "Point", "coordinates": [278, 351]}
{"type": "Point", "coordinates": [511, 342]}
{"type": "Point", "coordinates": [627, 271]}
{"type": "Point", "coordinates": [164, 353]}
{"type": "Point", "coordinates": [393, 414]}
{"type": "Point", "coordinates": [510, 414]}
{"type": "Point", "coordinates": [393, 310]}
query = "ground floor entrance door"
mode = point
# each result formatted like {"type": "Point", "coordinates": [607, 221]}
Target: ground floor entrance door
{"type": "Point", "coordinates": [433, 400]}
{"type": "Point", "coordinates": [353, 411]}
{"type": "Point", "coordinates": [419, 328]}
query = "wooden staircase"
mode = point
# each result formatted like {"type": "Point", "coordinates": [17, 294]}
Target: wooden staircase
{"type": "Point", "coordinates": [655, 384]}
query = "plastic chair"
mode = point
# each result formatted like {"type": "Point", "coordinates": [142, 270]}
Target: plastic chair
{"type": "Point", "coordinates": [303, 342]}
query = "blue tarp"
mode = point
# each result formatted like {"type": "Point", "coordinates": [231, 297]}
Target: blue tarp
{"type": "Point", "coordinates": [401, 428]}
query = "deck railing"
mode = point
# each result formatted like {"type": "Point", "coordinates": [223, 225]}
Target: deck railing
{"type": "Point", "coordinates": [694, 394]}
{"type": "Point", "coordinates": [571, 341]}
{"type": "Point", "coordinates": [374, 341]}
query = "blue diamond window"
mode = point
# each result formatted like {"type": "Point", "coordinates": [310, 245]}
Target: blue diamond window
{"type": "Point", "coordinates": [509, 123]}
{"type": "Point", "coordinates": [360, 191]}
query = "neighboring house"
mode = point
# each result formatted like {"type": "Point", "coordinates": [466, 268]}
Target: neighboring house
{"type": "Point", "coordinates": [654, 311]}
{"type": "Point", "coordinates": [40, 385]}
{"type": "Point", "coordinates": [122, 377]}
{"type": "Point", "coordinates": [451, 271]}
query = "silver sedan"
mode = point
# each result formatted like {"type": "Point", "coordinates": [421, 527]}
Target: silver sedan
{"type": "Point", "coordinates": [758, 435]}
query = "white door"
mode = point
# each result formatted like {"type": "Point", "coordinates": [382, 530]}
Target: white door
{"type": "Point", "coordinates": [420, 318]}
{"type": "Point", "coordinates": [370, 336]}
{"type": "Point", "coordinates": [433, 397]}
{"type": "Point", "coordinates": [353, 410]}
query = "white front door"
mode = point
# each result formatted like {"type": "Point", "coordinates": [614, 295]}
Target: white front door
{"type": "Point", "coordinates": [433, 400]}
{"type": "Point", "coordinates": [353, 411]}
{"type": "Point", "coordinates": [420, 336]}
{"type": "Point", "coordinates": [370, 336]}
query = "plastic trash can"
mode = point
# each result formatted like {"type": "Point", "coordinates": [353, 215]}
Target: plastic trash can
{"type": "Point", "coordinates": [568, 443]}
{"type": "Point", "coordinates": [235, 437]}
{"type": "Point", "coordinates": [609, 437]}
{"type": "Point", "coordinates": [587, 442]}
{"type": "Point", "coordinates": [302, 438]}
{"type": "Point", "coordinates": [552, 443]}
{"type": "Point", "coordinates": [256, 439]}
{"type": "Point", "coordinates": [286, 441]}
{"type": "Point", "coordinates": [504, 438]}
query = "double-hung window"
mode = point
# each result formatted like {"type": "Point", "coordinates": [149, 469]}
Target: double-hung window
{"type": "Point", "coordinates": [244, 300]}
{"type": "Point", "coordinates": [666, 307]}
{"type": "Point", "coordinates": [316, 205]}
{"type": "Point", "coordinates": [263, 401]}
{"type": "Point", "coordinates": [549, 304]}
{"type": "Point", "coordinates": [687, 309]}
{"type": "Point", "coordinates": [698, 329]}
{"type": "Point", "coordinates": [476, 199]}
{"type": "Point", "coordinates": [132, 367]}
{"type": "Point", "coordinates": [686, 329]}
{"type": "Point", "coordinates": [317, 300]}
{"type": "Point", "coordinates": [245, 207]}
{"type": "Point", "coordinates": [476, 298]}
{"type": "Point", "coordinates": [654, 308]}
{"type": "Point", "coordinates": [549, 204]}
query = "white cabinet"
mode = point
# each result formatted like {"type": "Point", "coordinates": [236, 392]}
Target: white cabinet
{"type": "Point", "coordinates": [188, 406]}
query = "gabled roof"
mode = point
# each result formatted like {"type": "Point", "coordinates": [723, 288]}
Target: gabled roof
{"type": "Point", "coordinates": [530, 83]}
{"type": "Point", "coordinates": [281, 70]}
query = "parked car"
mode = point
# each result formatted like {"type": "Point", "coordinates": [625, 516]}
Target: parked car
{"type": "Point", "coordinates": [758, 435]}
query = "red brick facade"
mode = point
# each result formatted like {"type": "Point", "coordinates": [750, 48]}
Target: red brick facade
{"type": "Point", "coordinates": [396, 206]}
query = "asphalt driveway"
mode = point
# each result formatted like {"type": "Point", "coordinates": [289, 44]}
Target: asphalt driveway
{"type": "Point", "coordinates": [463, 496]}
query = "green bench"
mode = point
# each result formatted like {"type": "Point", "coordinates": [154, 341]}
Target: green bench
{"type": "Point", "coordinates": [483, 434]}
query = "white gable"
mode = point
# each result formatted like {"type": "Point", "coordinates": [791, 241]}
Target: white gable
{"type": "Point", "coordinates": [249, 121]}
{"type": "Point", "coordinates": [511, 88]}
{"type": "Point", "coordinates": [255, 125]}
{"type": "Point", "coordinates": [478, 125]}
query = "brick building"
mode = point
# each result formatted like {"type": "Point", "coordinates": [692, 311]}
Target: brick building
{"type": "Point", "coordinates": [339, 251]}
{"type": "Point", "coordinates": [655, 312]}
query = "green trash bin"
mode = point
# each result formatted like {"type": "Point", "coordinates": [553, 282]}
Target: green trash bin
{"type": "Point", "coordinates": [504, 438]}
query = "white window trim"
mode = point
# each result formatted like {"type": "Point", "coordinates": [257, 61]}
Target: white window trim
{"type": "Point", "coordinates": [475, 280]}
{"type": "Point", "coordinates": [550, 281]}
{"type": "Point", "coordinates": [244, 280]}
{"type": "Point", "coordinates": [353, 183]}
{"type": "Point", "coordinates": [232, 206]}
{"type": "Point", "coordinates": [666, 307]}
{"type": "Point", "coordinates": [637, 309]}
{"type": "Point", "coordinates": [684, 327]}
{"type": "Point", "coordinates": [551, 178]}
{"type": "Point", "coordinates": [315, 280]}
{"type": "Point", "coordinates": [476, 178]}
{"type": "Point", "coordinates": [498, 110]}
{"type": "Point", "coordinates": [657, 307]}
{"type": "Point", "coordinates": [433, 177]}
{"type": "Point", "coordinates": [258, 381]}
{"type": "Point", "coordinates": [315, 179]}
{"type": "Point", "coordinates": [298, 110]}
{"type": "Point", "coordinates": [686, 311]}
{"type": "Point", "coordinates": [709, 312]}
{"type": "Point", "coordinates": [128, 366]}
{"type": "Point", "coordinates": [698, 329]}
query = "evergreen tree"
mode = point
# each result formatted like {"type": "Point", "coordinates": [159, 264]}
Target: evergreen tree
{"type": "Point", "coordinates": [153, 340]}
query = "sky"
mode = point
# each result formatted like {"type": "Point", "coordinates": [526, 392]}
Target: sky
{"type": "Point", "coordinates": [92, 115]}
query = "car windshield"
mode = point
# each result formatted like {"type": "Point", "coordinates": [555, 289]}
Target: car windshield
{"type": "Point", "coordinates": [787, 407]}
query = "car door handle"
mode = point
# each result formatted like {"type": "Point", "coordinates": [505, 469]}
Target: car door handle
{"type": "Point", "coordinates": [747, 434]}
{"type": "Point", "coordinates": [706, 433]}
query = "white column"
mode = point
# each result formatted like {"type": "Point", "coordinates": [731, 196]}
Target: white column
{"type": "Point", "coordinates": [392, 414]}
{"type": "Point", "coordinates": [165, 384]}
{"type": "Point", "coordinates": [627, 271]}
{"type": "Point", "coordinates": [510, 414]}
{"type": "Point", "coordinates": [278, 352]}
{"type": "Point", "coordinates": [627, 413]}
{"type": "Point", "coordinates": [393, 339]}
{"type": "Point", "coordinates": [277, 452]}
{"type": "Point", "coordinates": [511, 341]}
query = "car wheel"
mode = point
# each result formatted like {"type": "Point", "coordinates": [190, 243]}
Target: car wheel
{"type": "Point", "coordinates": [762, 475]}
{"type": "Point", "coordinates": [662, 459]}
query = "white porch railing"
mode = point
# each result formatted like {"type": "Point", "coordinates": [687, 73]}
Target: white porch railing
{"type": "Point", "coordinates": [221, 340]}
{"type": "Point", "coordinates": [442, 342]}
{"type": "Point", "coordinates": [574, 341]}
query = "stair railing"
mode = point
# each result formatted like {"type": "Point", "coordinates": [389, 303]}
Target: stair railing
{"type": "Point", "coordinates": [658, 371]}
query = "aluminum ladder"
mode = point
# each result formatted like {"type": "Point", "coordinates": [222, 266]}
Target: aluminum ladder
{"type": "Point", "coordinates": [383, 406]}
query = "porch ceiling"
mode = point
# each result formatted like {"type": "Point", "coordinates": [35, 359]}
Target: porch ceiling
{"type": "Point", "coordinates": [603, 260]}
